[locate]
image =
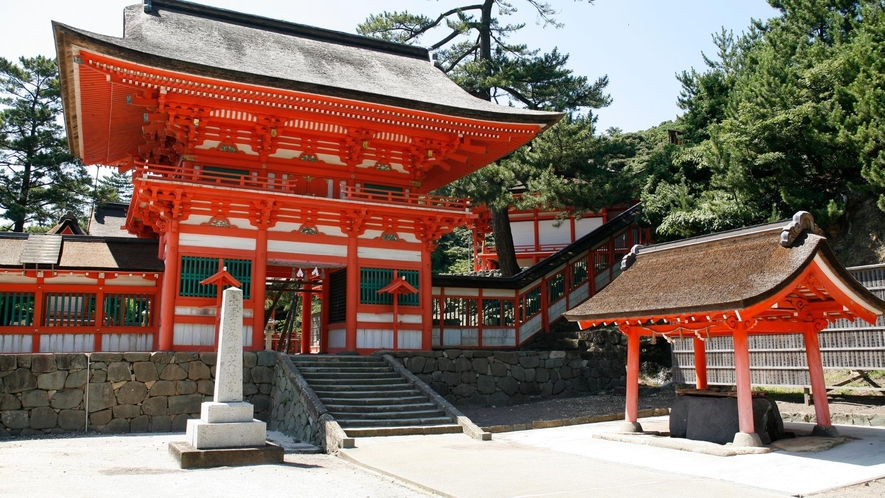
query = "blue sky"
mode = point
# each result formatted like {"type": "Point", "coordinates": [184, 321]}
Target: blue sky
{"type": "Point", "coordinates": [639, 44]}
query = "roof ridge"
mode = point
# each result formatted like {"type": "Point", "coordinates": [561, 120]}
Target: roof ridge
{"type": "Point", "coordinates": [287, 28]}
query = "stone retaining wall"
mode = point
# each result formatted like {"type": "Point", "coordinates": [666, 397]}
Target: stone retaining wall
{"type": "Point", "coordinates": [500, 378]}
{"type": "Point", "coordinates": [298, 412]}
{"type": "Point", "coordinates": [125, 392]}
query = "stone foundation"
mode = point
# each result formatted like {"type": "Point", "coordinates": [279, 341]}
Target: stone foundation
{"type": "Point", "coordinates": [120, 392]}
{"type": "Point", "coordinates": [500, 378]}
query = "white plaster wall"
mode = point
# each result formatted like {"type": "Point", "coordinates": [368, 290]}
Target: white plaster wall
{"type": "Point", "coordinates": [71, 279]}
{"type": "Point", "coordinates": [217, 241]}
{"type": "Point", "coordinates": [550, 234]}
{"type": "Point", "coordinates": [499, 337]}
{"type": "Point", "coordinates": [409, 339]}
{"type": "Point", "coordinates": [337, 338]}
{"type": "Point", "coordinates": [240, 223]}
{"type": "Point", "coordinates": [556, 310]}
{"type": "Point", "coordinates": [586, 225]}
{"type": "Point", "coordinates": [403, 235]}
{"type": "Point", "coordinates": [523, 233]}
{"type": "Point", "coordinates": [374, 339]}
{"type": "Point", "coordinates": [579, 295]}
{"type": "Point", "coordinates": [290, 247]}
{"type": "Point", "coordinates": [461, 337]}
{"type": "Point", "coordinates": [389, 254]}
{"type": "Point", "coordinates": [130, 281]}
{"type": "Point", "coordinates": [67, 343]}
{"type": "Point", "coordinates": [530, 328]}
{"type": "Point", "coordinates": [14, 343]}
{"type": "Point", "coordinates": [386, 318]}
{"type": "Point", "coordinates": [193, 334]}
{"type": "Point", "coordinates": [127, 342]}
{"type": "Point", "coordinates": [16, 278]}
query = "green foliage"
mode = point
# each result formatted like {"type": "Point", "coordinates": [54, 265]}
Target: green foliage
{"type": "Point", "coordinates": [41, 179]}
{"type": "Point", "coordinates": [787, 117]}
{"type": "Point", "coordinates": [472, 47]}
{"type": "Point", "coordinates": [116, 187]}
{"type": "Point", "coordinates": [452, 254]}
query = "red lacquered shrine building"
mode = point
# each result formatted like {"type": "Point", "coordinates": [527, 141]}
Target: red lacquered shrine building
{"type": "Point", "coordinates": [770, 279]}
{"type": "Point", "coordinates": [276, 150]}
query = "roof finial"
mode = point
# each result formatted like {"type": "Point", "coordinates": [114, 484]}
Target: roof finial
{"type": "Point", "coordinates": [148, 8]}
{"type": "Point", "coordinates": [802, 221]}
{"type": "Point", "coordinates": [630, 258]}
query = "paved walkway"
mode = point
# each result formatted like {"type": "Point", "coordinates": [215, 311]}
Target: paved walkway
{"type": "Point", "coordinates": [569, 461]}
{"type": "Point", "coordinates": [558, 462]}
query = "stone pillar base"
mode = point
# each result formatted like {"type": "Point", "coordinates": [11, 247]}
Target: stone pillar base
{"type": "Point", "coordinates": [744, 439]}
{"type": "Point", "coordinates": [627, 426]}
{"type": "Point", "coordinates": [824, 431]}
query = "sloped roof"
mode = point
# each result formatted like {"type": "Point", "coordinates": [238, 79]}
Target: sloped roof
{"type": "Point", "coordinates": [721, 272]}
{"type": "Point", "coordinates": [218, 43]}
{"type": "Point", "coordinates": [83, 252]}
{"type": "Point", "coordinates": [109, 220]}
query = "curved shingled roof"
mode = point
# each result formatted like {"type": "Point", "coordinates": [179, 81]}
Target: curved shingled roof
{"type": "Point", "coordinates": [720, 272]}
{"type": "Point", "coordinates": [218, 43]}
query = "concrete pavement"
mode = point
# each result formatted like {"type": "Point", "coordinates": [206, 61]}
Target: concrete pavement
{"type": "Point", "coordinates": [557, 462]}
{"type": "Point", "coordinates": [569, 461]}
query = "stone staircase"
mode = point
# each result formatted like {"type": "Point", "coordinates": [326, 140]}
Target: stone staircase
{"type": "Point", "coordinates": [368, 397]}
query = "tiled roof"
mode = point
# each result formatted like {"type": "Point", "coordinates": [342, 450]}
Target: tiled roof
{"type": "Point", "coordinates": [218, 43]}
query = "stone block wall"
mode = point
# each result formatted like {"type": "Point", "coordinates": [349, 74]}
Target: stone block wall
{"type": "Point", "coordinates": [500, 378]}
{"type": "Point", "coordinates": [118, 392]}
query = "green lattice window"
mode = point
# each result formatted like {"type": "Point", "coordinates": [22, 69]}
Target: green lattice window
{"type": "Point", "coordinates": [69, 309]}
{"type": "Point", "coordinates": [497, 313]}
{"type": "Point", "coordinates": [128, 310]}
{"type": "Point", "coordinates": [16, 309]}
{"type": "Point", "coordinates": [374, 279]}
{"type": "Point", "coordinates": [195, 269]}
{"type": "Point", "coordinates": [579, 273]}
{"type": "Point", "coordinates": [460, 312]}
{"type": "Point", "coordinates": [556, 287]}
{"type": "Point", "coordinates": [531, 303]}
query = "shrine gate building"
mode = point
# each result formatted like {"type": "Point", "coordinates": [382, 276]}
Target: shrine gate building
{"type": "Point", "coordinates": [272, 149]}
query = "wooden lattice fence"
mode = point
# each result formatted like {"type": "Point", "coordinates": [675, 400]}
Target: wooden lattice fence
{"type": "Point", "coordinates": [779, 360]}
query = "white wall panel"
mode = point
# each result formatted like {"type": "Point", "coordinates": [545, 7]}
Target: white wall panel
{"type": "Point", "coordinates": [461, 337]}
{"type": "Point", "coordinates": [217, 241]}
{"type": "Point", "coordinates": [193, 334]}
{"type": "Point", "coordinates": [579, 295]}
{"type": "Point", "coordinates": [127, 342]}
{"type": "Point", "coordinates": [409, 339]}
{"type": "Point", "coordinates": [374, 339]}
{"type": "Point", "coordinates": [290, 247]}
{"type": "Point", "coordinates": [498, 337]}
{"type": "Point", "coordinates": [16, 278]}
{"type": "Point", "coordinates": [389, 254]}
{"type": "Point", "coordinates": [551, 234]}
{"type": "Point", "coordinates": [67, 343]}
{"type": "Point", "coordinates": [14, 343]}
{"type": "Point", "coordinates": [586, 225]}
{"type": "Point", "coordinates": [403, 235]}
{"type": "Point", "coordinates": [129, 280]}
{"type": "Point", "coordinates": [523, 233]}
{"type": "Point", "coordinates": [337, 339]}
{"type": "Point", "coordinates": [331, 230]}
{"type": "Point", "coordinates": [435, 337]}
{"type": "Point", "coordinates": [555, 311]}
{"type": "Point", "coordinates": [386, 318]}
{"type": "Point", "coordinates": [71, 279]}
{"type": "Point", "coordinates": [530, 328]}
{"type": "Point", "coordinates": [199, 219]}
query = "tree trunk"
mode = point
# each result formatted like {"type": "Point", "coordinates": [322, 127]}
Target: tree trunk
{"type": "Point", "coordinates": [504, 241]}
{"type": "Point", "coordinates": [485, 44]}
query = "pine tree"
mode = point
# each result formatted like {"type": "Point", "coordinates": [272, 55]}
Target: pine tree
{"type": "Point", "coordinates": [40, 178]}
{"type": "Point", "coordinates": [475, 53]}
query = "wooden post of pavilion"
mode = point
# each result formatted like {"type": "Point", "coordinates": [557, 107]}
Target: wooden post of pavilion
{"type": "Point", "coordinates": [396, 287]}
{"type": "Point", "coordinates": [769, 279]}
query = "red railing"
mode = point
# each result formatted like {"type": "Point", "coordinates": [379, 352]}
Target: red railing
{"type": "Point", "coordinates": [276, 181]}
{"type": "Point", "coordinates": [407, 198]}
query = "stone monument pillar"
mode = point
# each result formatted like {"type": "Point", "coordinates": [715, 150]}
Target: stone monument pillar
{"type": "Point", "coordinates": [226, 433]}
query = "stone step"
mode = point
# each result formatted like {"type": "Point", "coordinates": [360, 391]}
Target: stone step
{"type": "Point", "coordinates": [381, 408]}
{"type": "Point", "coordinates": [311, 376]}
{"type": "Point", "coordinates": [377, 401]}
{"type": "Point", "coordinates": [355, 383]}
{"type": "Point", "coordinates": [351, 394]}
{"type": "Point", "coordinates": [347, 423]}
{"type": "Point", "coordinates": [403, 431]}
{"type": "Point", "coordinates": [340, 360]}
{"type": "Point", "coordinates": [431, 414]}
{"type": "Point", "coordinates": [343, 369]}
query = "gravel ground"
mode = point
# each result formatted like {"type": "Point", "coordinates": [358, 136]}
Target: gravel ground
{"type": "Point", "coordinates": [649, 397]}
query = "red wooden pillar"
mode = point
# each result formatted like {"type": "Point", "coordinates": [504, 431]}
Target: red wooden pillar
{"type": "Point", "coordinates": [258, 289]}
{"type": "Point", "coordinates": [700, 363]}
{"type": "Point", "coordinates": [324, 325]}
{"type": "Point", "coordinates": [747, 435]}
{"type": "Point", "coordinates": [631, 410]}
{"type": "Point", "coordinates": [425, 295]}
{"type": "Point", "coordinates": [170, 288]}
{"type": "Point", "coordinates": [353, 293]}
{"type": "Point", "coordinates": [99, 314]}
{"type": "Point", "coordinates": [39, 299]}
{"type": "Point", "coordinates": [824, 426]}
{"type": "Point", "coordinates": [306, 310]}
